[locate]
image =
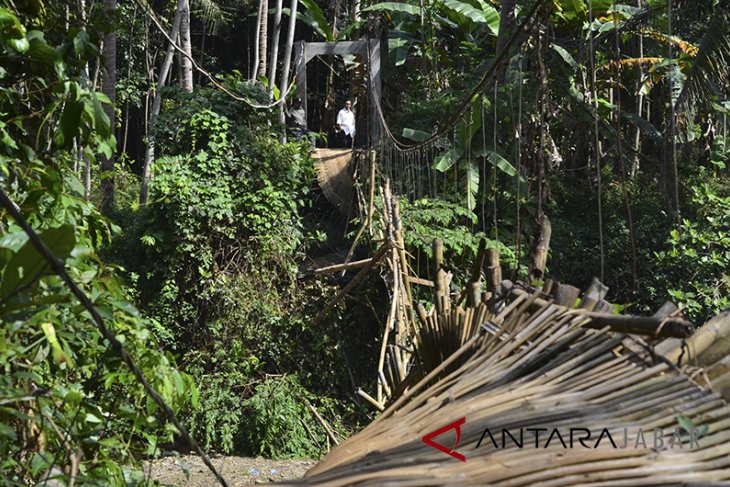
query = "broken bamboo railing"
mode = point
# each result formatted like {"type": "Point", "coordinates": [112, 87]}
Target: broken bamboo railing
{"type": "Point", "coordinates": [528, 361]}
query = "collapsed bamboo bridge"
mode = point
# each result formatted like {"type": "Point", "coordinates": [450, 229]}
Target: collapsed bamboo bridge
{"type": "Point", "coordinates": [500, 355]}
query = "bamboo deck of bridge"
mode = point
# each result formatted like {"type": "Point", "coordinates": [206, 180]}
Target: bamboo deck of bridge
{"type": "Point", "coordinates": [334, 175]}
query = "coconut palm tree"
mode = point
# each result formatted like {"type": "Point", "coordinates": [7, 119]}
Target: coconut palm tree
{"type": "Point", "coordinates": [186, 64]}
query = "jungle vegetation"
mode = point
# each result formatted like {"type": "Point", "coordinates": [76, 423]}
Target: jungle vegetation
{"type": "Point", "coordinates": [143, 142]}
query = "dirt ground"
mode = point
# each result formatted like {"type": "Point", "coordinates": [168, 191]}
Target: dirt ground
{"type": "Point", "coordinates": [237, 471]}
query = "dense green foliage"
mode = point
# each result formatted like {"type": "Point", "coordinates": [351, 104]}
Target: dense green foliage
{"type": "Point", "coordinates": [214, 258]}
{"type": "Point", "coordinates": [207, 281]}
{"type": "Point", "coordinates": [69, 406]}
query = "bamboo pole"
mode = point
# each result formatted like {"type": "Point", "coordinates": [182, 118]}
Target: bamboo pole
{"type": "Point", "coordinates": [371, 208]}
{"type": "Point", "coordinates": [342, 267]}
{"type": "Point", "coordinates": [350, 286]}
{"type": "Point", "coordinates": [639, 325]}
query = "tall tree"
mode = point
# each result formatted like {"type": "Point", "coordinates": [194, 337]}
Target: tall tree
{"type": "Point", "coordinates": [257, 41]}
{"type": "Point", "coordinates": [186, 64]}
{"type": "Point", "coordinates": [157, 101]}
{"type": "Point", "coordinates": [506, 27]}
{"type": "Point", "coordinates": [109, 89]}
{"type": "Point", "coordinates": [287, 58]}
{"type": "Point", "coordinates": [275, 46]}
{"type": "Point", "coordinates": [263, 36]}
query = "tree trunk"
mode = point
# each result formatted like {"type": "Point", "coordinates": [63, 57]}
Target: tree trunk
{"type": "Point", "coordinates": [287, 60]}
{"type": "Point", "coordinates": [257, 41]}
{"type": "Point", "coordinates": [275, 47]}
{"type": "Point", "coordinates": [329, 100]}
{"type": "Point", "coordinates": [109, 89]}
{"type": "Point", "coordinates": [186, 65]}
{"type": "Point", "coordinates": [506, 27]}
{"type": "Point", "coordinates": [263, 36]}
{"type": "Point", "coordinates": [157, 103]}
{"type": "Point", "coordinates": [635, 165]}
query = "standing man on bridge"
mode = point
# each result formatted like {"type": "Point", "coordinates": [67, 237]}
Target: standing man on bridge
{"type": "Point", "coordinates": [346, 125]}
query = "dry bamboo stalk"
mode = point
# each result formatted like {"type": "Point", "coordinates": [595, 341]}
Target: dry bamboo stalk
{"type": "Point", "coordinates": [474, 294]}
{"type": "Point", "coordinates": [371, 198]}
{"type": "Point", "coordinates": [400, 245]}
{"type": "Point", "coordinates": [419, 281]}
{"type": "Point", "coordinates": [324, 424]}
{"type": "Point", "coordinates": [394, 407]}
{"type": "Point", "coordinates": [476, 270]}
{"type": "Point", "coordinates": [542, 246]}
{"type": "Point", "coordinates": [566, 295]}
{"type": "Point", "coordinates": [715, 329]}
{"type": "Point", "coordinates": [370, 399]}
{"type": "Point", "coordinates": [400, 366]}
{"type": "Point", "coordinates": [438, 256]}
{"type": "Point", "coordinates": [594, 294]}
{"type": "Point", "coordinates": [639, 325]}
{"type": "Point", "coordinates": [388, 325]}
{"type": "Point", "coordinates": [350, 286]}
{"type": "Point", "coordinates": [494, 271]}
{"type": "Point", "coordinates": [369, 217]}
{"type": "Point", "coordinates": [342, 267]}
{"type": "Point", "coordinates": [384, 383]}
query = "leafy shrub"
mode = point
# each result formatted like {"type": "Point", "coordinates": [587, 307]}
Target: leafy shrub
{"type": "Point", "coordinates": [214, 257]}
{"type": "Point", "coordinates": [277, 420]}
{"type": "Point", "coordinates": [66, 397]}
{"type": "Point", "coordinates": [696, 264]}
{"type": "Point", "coordinates": [426, 219]}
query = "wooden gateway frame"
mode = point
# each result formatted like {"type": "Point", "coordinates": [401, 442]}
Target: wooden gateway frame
{"type": "Point", "coordinates": [306, 51]}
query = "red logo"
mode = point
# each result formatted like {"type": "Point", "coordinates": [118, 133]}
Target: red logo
{"type": "Point", "coordinates": [456, 425]}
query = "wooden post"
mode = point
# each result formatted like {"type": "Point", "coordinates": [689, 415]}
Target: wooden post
{"type": "Point", "coordinates": [566, 295]}
{"type": "Point", "coordinates": [594, 294]}
{"type": "Point", "coordinates": [542, 245]}
{"type": "Point", "coordinates": [400, 244]}
{"type": "Point", "coordinates": [371, 199]}
{"type": "Point", "coordinates": [438, 283]}
{"type": "Point", "coordinates": [494, 271]}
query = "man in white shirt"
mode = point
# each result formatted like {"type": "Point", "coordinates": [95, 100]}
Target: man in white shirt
{"type": "Point", "coordinates": [346, 124]}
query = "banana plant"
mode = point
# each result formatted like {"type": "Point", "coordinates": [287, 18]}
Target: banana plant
{"type": "Point", "coordinates": [468, 152]}
{"type": "Point", "coordinates": [467, 21]}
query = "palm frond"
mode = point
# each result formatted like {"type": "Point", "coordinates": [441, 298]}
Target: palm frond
{"type": "Point", "coordinates": [214, 16]}
{"type": "Point", "coordinates": [686, 47]}
{"type": "Point", "coordinates": [314, 17]}
{"type": "Point", "coordinates": [638, 62]}
{"type": "Point", "coordinates": [710, 72]}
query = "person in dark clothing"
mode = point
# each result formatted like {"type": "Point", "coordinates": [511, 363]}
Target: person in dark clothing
{"type": "Point", "coordinates": [296, 118]}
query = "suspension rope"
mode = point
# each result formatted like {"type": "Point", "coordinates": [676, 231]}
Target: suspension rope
{"type": "Point", "coordinates": [331, 68]}
{"type": "Point", "coordinates": [494, 165]}
{"type": "Point", "coordinates": [619, 152]}
{"type": "Point", "coordinates": [518, 163]}
{"type": "Point", "coordinates": [484, 163]}
{"type": "Point", "coordinates": [673, 119]}
{"type": "Point", "coordinates": [596, 141]}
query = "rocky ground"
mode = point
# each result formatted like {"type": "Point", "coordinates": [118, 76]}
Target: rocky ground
{"type": "Point", "coordinates": [189, 470]}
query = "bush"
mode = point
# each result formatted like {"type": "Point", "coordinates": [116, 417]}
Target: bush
{"type": "Point", "coordinates": [214, 257]}
{"type": "Point", "coordinates": [696, 266]}
{"type": "Point", "coordinates": [67, 399]}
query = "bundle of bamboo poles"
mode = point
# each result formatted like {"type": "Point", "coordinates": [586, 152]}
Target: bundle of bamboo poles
{"type": "Point", "coordinates": [513, 357]}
